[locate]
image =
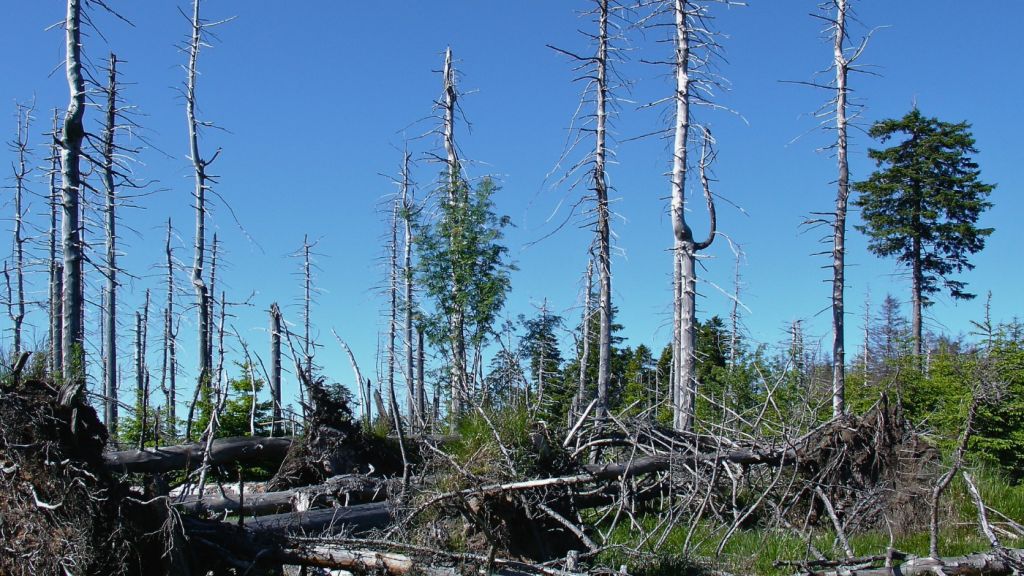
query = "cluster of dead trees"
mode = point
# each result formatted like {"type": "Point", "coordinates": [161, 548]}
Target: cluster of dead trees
{"type": "Point", "coordinates": [549, 502]}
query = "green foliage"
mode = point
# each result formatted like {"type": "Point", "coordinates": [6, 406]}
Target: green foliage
{"type": "Point", "coordinates": [922, 204]}
{"type": "Point", "coordinates": [1000, 436]}
{"type": "Point", "coordinates": [462, 264]}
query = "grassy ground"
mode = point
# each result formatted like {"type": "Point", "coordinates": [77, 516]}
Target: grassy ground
{"type": "Point", "coordinates": [757, 550]}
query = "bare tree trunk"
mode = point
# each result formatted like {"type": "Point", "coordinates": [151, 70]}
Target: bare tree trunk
{"type": "Point", "coordinates": [588, 287]}
{"type": "Point", "coordinates": [917, 303]}
{"type": "Point", "coordinates": [211, 301]}
{"type": "Point", "coordinates": [140, 396]}
{"type": "Point", "coordinates": [408, 205]}
{"type": "Point", "coordinates": [199, 194]}
{"type": "Point", "coordinates": [110, 293]}
{"type": "Point", "coordinates": [169, 366]}
{"type": "Point", "coordinates": [56, 270]}
{"type": "Point", "coordinates": [73, 351]}
{"type": "Point", "coordinates": [17, 308]}
{"type": "Point", "coordinates": [364, 391]}
{"type": "Point", "coordinates": [393, 311]}
{"type": "Point", "coordinates": [685, 393]}
{"type": "Point", "coordinates": [839, 226]}
{"type": "Point", "coordinates": [307, 275]}
{"type": "Point", "coordinates": [456, 321]}
{"type": "Point", "coordinates": [275, 367]}
{"type": "Point", "coordinates": [603, 224]}
{"type": "Point", "coordinates": [421, 384]}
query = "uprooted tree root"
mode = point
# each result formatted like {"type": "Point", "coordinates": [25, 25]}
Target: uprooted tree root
{"type": "Point", "coordinates": [62, 512]}
{"type": "Point", "coordinates": [872, 469]}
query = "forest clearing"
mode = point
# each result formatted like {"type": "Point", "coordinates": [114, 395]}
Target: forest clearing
{"type": "Point", "coordinates": [145, 430]}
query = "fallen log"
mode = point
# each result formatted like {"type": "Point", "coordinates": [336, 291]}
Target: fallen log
{"type": "Point", "coordinates": [223, 451]}
{"type": "Point", "coordinates": [998, 563]}
{"type": "Point", "coordinates": [338, 491]}
{"type": "Point", "coordinates": [355, 519]}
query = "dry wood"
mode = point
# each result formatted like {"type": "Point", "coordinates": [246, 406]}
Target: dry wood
{"type": "Point", "coordinates": [981, 564]}
{"type": "Point", "coordinates": [351, 519]}
{"type": "Point", "coordinates": [339, 491]}
{"type": "Point", "coordinates": [222, 451]}
{"type": "Point", "coordinates": [73, 360]}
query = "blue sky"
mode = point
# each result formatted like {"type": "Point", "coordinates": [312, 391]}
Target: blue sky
{"type": "Point", "coordinates": [315, 100]}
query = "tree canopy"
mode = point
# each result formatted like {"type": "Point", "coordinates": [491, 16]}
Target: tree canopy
{"type": "Point", "coordinates": [923, 202]}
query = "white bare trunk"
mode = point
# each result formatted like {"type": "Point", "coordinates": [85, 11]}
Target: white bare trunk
{"type": "Point", "coordinates": [839, 225]}
{"type": "Point", "coordinates": [275, 367]}
{"type": "Point", "coordinates": [199, 195]}
{"type": "Point", "coordinates": [603, 224]}
{"type": "Point", "coordinates": [73, 352]}
{"type": "Point", "coordinates": [110, 292]}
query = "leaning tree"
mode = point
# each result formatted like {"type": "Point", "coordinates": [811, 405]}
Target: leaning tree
{"type": "Point", "coordinates": [922, 205]}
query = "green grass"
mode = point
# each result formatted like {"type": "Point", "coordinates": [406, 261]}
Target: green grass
{"type": "Point", "coordinates": [756, 551]}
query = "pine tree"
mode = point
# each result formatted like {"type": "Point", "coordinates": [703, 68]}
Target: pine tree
{"type": "Point", "coordinates": [922, 203]}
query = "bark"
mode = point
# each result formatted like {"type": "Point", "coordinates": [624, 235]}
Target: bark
{"type": "Point", "coordinates": [222, 451]}
{"type": "Point", "coordinates": [199, 194]}
{"type": "Point", "coordinates": [603, 225]}
{"type": "Point", "coordinates": [421, 385]}
{"type": "Point", "coordinates": [340, 491]}
{"type": "Point", "coordinates": [169, 368]}
{"type": "Point", "coordinates": [110, 292]}
{"type": "Point", "coordinates": [981, 564]}
{"type": "Point", "coordinates": [581, 394]}
{"type": "Point", "coordinates": [275, 367]}
{"type": "Point", "coordinates": [211, 301]}
{"type": "Point", "coordinates": [72, 352]}
{"type": "Point", "coordinates": [839, 225]}
{"type": "Point", "coordinates": [364, 391]}
{"type": "Point", "coordinates": [456, 321]}
{"type": "Point", "coordinates": [17, 307]}
{"type": "Point", "coordinates": [393, 309]}
{"type": "Point", "coordinates": [413, 390]}
{"type": "Point", "coordinates": [140, 395]}
{"type": "Point", "coordinates": [56, 270]}
{"type": "Point", "coordinates": [357, 519]}
{"type": "Point", "coordinates": [307, 300]}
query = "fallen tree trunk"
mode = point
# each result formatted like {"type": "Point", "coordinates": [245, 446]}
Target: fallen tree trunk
{"type": "Point", "coordinates": [982, 564]}
{"type": "Point", "coordinates": [332, 556]}
{"type": "Point", "coordinates": [222, 451]}
{"type": "Point", "coordinates": [339, 491]}
{"type": "Point", "coordinates": [357, 519]}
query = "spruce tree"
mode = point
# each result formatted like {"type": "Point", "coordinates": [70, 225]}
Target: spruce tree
{"type": "Point", "coordinates": [922, 203]}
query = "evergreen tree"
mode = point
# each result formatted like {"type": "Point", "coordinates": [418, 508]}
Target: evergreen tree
{"type": "Point", "coordinates": [922, 204]}
{"type": "Point", "coordinates": [539, 347]}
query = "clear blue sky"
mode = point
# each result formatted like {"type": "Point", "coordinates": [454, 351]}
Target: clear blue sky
{"type": "Point", "coordinates": [316, 98]}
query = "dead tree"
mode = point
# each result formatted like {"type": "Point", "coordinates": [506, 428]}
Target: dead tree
{"type": "Point", "coordinates": [56, 269]}
{"type": "Point", "coordinates": [595, 71]}
{"type": "Point", "coordinates": [201, 178]}
{"type": "Point", "coordinates": [393, 310]}
{"type": "Point", "coordinates": [16, 301]}
{"type": "Point", "coordinates": [414, 387]}
{"type": "Point", "coordinates": [211, 287]}
{"type": "Point", "coordinates": [834, 13]}
{"type": "Point", "coordinates": [841, 65]}
{"type": "Point", "coordinates": [107, 152]}
{"type": "Point", "coordinates": [588, 290]}
{"type": "Point", "coordinates": [456, 320]}
{"type": "Point", "coordinates": [73, 351]}
{"type": "Point", "coordinates": [275, 368]}
{"type": "Point", "coordinates": [168, 371]}
{"type": "Point", "coordinates": [693, 49]}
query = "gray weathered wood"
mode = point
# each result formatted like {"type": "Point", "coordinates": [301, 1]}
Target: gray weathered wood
{"type": "Point", "coordinates": [222, 451]}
